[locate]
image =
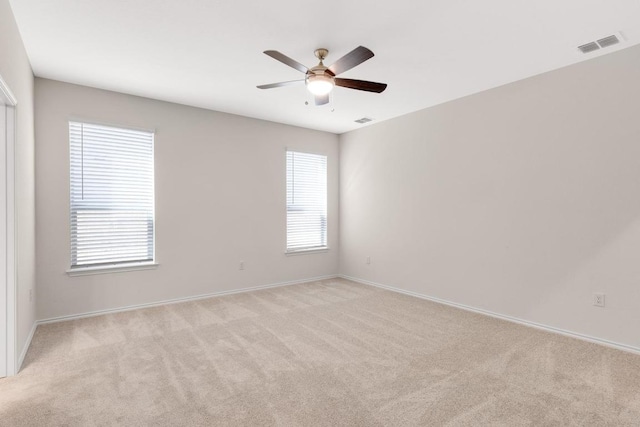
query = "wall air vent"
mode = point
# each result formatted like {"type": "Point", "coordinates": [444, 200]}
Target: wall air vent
{"type": "Point", "coordinates": [363, 120]}
{"type": "Point", "coordinates": [608, 41]}
{"type": "Point", "coordinates": [602, 43]}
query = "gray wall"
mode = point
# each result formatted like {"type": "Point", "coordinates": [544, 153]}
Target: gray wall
{"type": "Point", "coordinates": [523, 200]}
{"type": "Point", "coordinates": [15, 69]}
{"type": "Point", "coordinates": [220, 199]}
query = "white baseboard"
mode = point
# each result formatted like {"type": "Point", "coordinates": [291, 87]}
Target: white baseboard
{"type": "Point", "coordinates": [543, 327]}
{"type": "Point", "coordinates": [177, 300]}
{"type": "Point", "coordinates": [27, 344]}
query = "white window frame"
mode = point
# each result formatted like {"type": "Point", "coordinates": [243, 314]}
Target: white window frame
{"type": "Point", "coordinates": [112, 267]}
{"type": "Point", "coordinates": [325, 231]}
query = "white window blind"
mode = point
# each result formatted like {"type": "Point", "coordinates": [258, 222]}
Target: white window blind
{"type": "Point", "coordinates": [306, 201]}
{"type": "Point", "coordinates": [112, 203]}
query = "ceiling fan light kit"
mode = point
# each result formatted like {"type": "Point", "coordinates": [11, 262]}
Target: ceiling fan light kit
{"type": "Point", "coordinates": [319, 84]}
{"type": "Point", "coordinates": [321, 80]}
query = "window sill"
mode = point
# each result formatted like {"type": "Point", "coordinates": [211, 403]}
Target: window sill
{"type": "Point", "coordinates": [307, 251]}
{"type": "Point", "coordinates": [119, 268]}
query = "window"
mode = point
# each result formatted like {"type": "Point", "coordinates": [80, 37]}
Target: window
{"type": "Point", "coordinates": [112, 204]}
{"type": "Point", "coordinates": [306, 201]}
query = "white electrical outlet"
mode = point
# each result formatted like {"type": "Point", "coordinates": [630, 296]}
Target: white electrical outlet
{"type": "Point", "coordinates": [241, 265]}
{"type": "Point", "coordinates": [368, 260]}
{"type": "Point", "coordinates": [598, 300]}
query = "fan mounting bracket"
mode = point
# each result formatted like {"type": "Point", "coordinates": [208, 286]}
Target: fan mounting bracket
{"type": "Point", "coordinates": [321, 53]}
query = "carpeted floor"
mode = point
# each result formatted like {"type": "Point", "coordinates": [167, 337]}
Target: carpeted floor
{"type": "Point", "coordinates": [326, 353]}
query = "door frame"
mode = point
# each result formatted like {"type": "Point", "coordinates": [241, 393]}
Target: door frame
{"type": "Point", "coordinates": [9, 100]}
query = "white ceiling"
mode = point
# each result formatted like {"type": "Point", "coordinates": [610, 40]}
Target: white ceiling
{"type": "Point", "coordinates": [208, 53]}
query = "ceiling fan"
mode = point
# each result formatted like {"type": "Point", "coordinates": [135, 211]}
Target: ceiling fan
{"type": "Point", "coordinates": [320, 80]}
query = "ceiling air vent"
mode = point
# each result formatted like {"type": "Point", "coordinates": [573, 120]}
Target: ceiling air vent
{"type": "Point", "coordinates": [589, 47]}
{"type": "Point", "coordinates": [604, 42]}
{"type": "Point", "coordinates": [608, 41]}
{"type": "Point", "coordinates": [364, 120]}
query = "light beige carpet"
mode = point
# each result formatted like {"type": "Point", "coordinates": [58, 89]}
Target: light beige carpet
{"type": "Point", "coordinates": [327, 353]}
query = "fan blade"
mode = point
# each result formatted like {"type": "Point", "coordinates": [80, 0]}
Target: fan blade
{"type": "Point", "coordinates": [355, 57]}
{"type": "Point", "coordinates": [272, 85]}
{"type": "Point", "coordinates": [286, 60]}
{"type": "Point", "coordinates": [322, 99]}
{"type": "Point", "coordinates": [361, 85]}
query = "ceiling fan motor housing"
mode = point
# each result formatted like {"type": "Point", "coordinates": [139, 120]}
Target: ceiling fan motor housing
{"type": "Point", "coordinates": [319, 80]}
